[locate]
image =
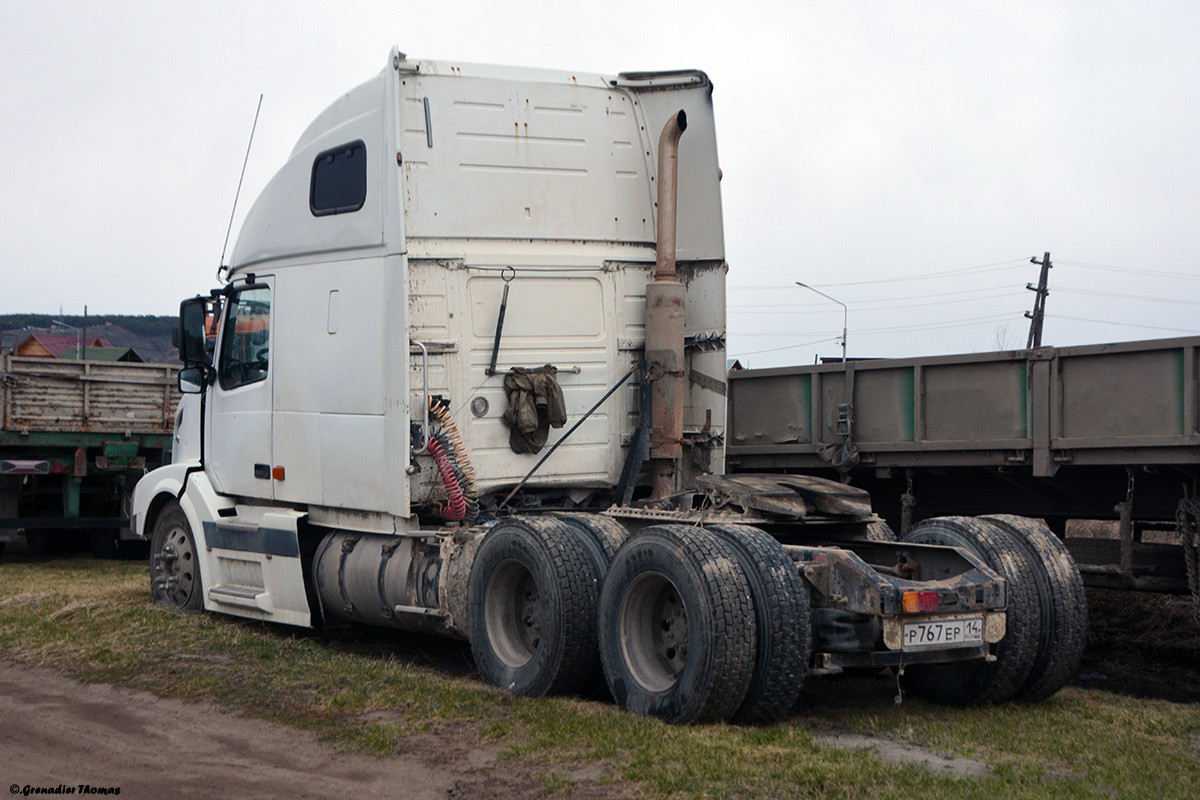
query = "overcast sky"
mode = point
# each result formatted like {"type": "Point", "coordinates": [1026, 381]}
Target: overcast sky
{"type": "Point", "coordinates": [864, 145]}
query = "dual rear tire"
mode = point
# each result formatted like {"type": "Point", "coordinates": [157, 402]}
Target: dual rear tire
{"type": "Point", "coordinates": [532, 596]}
{"type": "Point", "coordinates": [673, 637]}
{"type": "Point", "coordinates": [665, 613]}
{"type": "Point", "coordinates": [1046, 615]}
{"type": "Point", "coordinates": [669, 625]}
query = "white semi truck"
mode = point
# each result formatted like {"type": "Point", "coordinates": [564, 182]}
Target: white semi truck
{"type": "Point", "coordinates": [456, 263]}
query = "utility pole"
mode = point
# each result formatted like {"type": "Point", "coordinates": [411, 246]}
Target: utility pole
{"type": "Point", "coordinates": [1038, 315]}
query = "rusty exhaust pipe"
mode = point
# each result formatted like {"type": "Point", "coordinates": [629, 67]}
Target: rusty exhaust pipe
{"type": "Point", "coordinates": [668, 194]}
{"type": "Point", "coordinates": [665, 323]}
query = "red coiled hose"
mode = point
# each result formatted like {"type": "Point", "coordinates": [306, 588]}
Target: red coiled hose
{"type": "Point", "coordinates": [456, 508]}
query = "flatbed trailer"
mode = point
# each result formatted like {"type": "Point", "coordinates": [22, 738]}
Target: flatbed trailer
{"type": "Point", "coordinates": [74, 438]}
{"type": "Point", "coordinates": [1105, 432]}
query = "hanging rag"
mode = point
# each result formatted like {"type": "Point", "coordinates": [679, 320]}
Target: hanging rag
{"type": "Point", "coordinates": [535, 403]}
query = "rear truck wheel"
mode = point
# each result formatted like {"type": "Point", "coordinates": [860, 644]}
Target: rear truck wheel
{"type": "Point", "coordinates": [603, 537]}
{"type": "Point", "coordinates": [783, 623]}
{"type": "Point", "coordinates": [995, 681]}
{"type": "Point", "coordinates": [531, 607]}
{"type": "Point", "coordinates": [1063, 603]}
{"type": "Point", "coordinates": [677, 633]}
{"type": "Point", "coordinates": [174, 562]}
{"type": "Point", "coordinates": [880, 531]}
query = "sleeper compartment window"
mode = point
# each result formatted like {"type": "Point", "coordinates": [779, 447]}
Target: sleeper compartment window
{"type": "Point", "coordinates": [339, 180]}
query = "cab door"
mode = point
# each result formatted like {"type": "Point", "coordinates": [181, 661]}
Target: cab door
{"type": "Point", "coordinates": [238, 429]}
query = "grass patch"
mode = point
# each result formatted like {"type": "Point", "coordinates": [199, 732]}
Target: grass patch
{"type": "Point", "coordinates": [383, 693]}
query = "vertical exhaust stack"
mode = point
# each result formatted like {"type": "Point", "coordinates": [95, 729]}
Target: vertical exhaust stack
{"type": "Point", "coordinates": [665, 323]}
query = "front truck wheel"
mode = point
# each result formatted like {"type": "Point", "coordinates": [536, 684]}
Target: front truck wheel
{"type": "Point", "coordinates": [1063, 606]}
{"type": "Point", "coordinates": [531, 607]}
{"type": "Point", "coordinates": [784, 624]}
{"type": "Point", "coordinates": [677, 633]}
{"type": "Point", "coordinates": [995, 681]}
{"type": "Point", "coordinates": [174, 562]}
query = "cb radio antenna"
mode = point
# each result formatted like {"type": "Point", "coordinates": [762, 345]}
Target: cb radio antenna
{"type": "Point", "coordinates": [221, 267]}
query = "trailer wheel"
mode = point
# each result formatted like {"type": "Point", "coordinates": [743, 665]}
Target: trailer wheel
{"type": "Point", "coordinates": [1063, 604]}
{"type": "Point", "coordinates": [41, 543]}
{"type": "Point", "coordinates": [676, 632]}
{"type": "Point", "coordinates": [103, 543]}
{"type": "Point", "coordinates": [994, 681]}
{"type": "Point", "coordinates": [531, 607]}
{"type": "Point", "coordinates": [174, 562]}
{"type": "Point", "coordinates": [10, 489]}
{"type": "Point", "coordinates": [784, 624]}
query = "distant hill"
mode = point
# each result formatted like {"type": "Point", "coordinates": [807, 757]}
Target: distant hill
{"type": "Point", "coordinates": [149, 336]}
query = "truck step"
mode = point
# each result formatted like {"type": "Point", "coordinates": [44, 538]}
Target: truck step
{"type": "Point", "coordinates": [244, 596]}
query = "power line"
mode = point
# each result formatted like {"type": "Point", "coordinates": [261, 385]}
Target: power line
{"type": "Point", "coordinates": [1124, 324]}
{"type": "Point", "coordinates": [1157, 273]}
{"type": "Point", "coordinates": [924, 326]}
{"type": "Point", "coordinates": [922, 296]}
{"type": "Point", "coordinates": [787, 347]}
{"type": "Point", "coordinates": [996, 267]}
{"type": "Point", "coordinates": [760, 309]}
{"type": "Point", "coordinates": [1123, 296]}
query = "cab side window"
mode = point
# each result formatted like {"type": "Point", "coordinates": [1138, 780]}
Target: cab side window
{"type": "Point", "coordinates": [246, 345]}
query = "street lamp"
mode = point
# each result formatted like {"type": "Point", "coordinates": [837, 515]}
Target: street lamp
{"type": "Point", "coordinates": [844, 456]}
{"type": "Point", "coordinates": [82, 334]}
{"type": "Point", "coordinates": [845, 314]}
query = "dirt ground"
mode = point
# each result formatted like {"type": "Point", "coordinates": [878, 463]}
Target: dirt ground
{"type": "Point", "coordinates": [145, 746]}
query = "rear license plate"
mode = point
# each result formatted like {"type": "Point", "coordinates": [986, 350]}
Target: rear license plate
{"type": "Point", "coordinates": [962, 631]}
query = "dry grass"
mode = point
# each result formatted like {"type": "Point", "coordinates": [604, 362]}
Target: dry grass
{"type": "Point", "coordinates": [385, 693]}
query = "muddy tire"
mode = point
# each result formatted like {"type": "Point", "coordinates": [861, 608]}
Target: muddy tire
{"type": "Point", "coordinates": [531, 607]}
{"type": "Point", "coordinates": [880, 531]}
{"type": "Point", "coordinates": [175, 579]}
{"type": "Point", "coordinates": [602, 536]}
{"type": "Point", "coordinates": [783, 622]}
{"type": "Point", "coordinates": [983, 682]}
{"type": "Point", "coordinates": [676, 636]}
{"type": "Point", "coordinates": [1063, 601]}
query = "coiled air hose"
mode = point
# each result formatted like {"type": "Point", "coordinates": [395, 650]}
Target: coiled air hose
{"type": "Point", "coordinates": [456, 509]}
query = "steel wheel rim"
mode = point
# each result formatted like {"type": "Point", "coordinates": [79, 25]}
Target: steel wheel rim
{"type": "Point", "coordinates": [654, 631]}
{"type": "Point", "coordinates": [513, 614]}
{"type": "Point", "coordinates": [177, 566]}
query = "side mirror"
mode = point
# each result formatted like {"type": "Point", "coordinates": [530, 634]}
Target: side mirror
{"type": "Point", "coordinates": [191, 330]}
{"type": "Point", "coordinates": [192, 380]}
